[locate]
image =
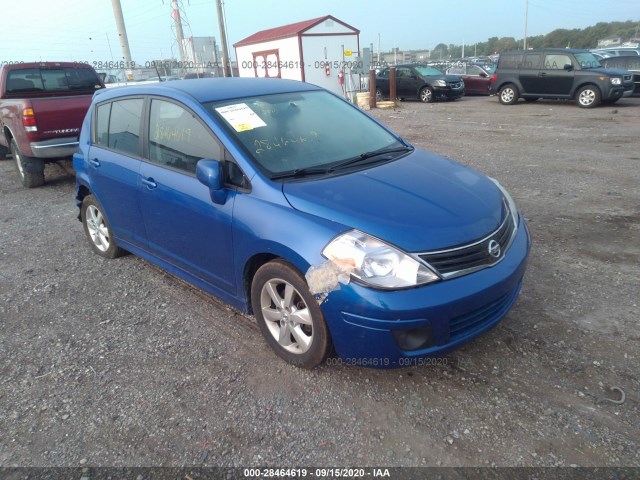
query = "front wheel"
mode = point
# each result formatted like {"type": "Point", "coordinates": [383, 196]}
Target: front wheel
{"type": "Point", "coordinates": [288, 315]}
{"type": "Point", "coordinates": [588, 96]}
{"type": "Point", "coordinates": [508, 94]}
{"type": "Point", "coordinates": [426, 95]}
{"type": "Point", "coordinates": [30, 169]}
{"type": "Point", "coordinates": [97, 229]}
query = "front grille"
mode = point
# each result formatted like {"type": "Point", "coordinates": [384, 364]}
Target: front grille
{"type": "Point", "coordinates": [466, 324]}
{"type": "Point", "coordinates": [475, 256]}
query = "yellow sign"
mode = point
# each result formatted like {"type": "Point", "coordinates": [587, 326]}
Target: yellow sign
{"type": "Point", "coordinates": [347, 53]}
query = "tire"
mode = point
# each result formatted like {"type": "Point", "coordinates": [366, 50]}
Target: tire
{"type": "Point", "coordinates": [588, 96]}
{"type": "Point", "coordinates": [508, 94]}
{"type": "Point", "coordinates": [30, 169]}
{"type": "Point", "coordinates": [379, 95]}
{"type": "Point", "coordinates": [98, 230]}
{"type": "Point", "coordinates": [289, 316]}
{"type": "Point", "coordinates": [426, 95]}
{"type": "Point", "coordinates": [531, 99]}
{"type": "Point", "coordinates": [3, 152]}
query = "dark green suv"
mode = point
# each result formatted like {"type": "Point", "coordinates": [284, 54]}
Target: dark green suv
{"type": "Point", "coordinates": [558, 73]}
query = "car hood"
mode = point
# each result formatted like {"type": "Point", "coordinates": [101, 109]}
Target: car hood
{"type": "Point", "coordinates": [610, 71]}
{"type": "Point", "coordinates": [420, 202]}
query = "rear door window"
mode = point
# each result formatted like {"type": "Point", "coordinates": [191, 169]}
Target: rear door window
{"type": "Point", "coordinates": [532, 61]}
{"type": "Point", "coordinates": [124, 126]}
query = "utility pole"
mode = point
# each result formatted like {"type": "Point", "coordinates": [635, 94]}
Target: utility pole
{"type": "Point", "coordinates": [526, 15]}
{"type": "Point", "coordinates": [179, 33]}
{"type": "Point", "coordinates": [226, 65]}
{"type": "Point", "coordinates": [124, 41]}
{"type": "Point", "coordinates": [122, 32]}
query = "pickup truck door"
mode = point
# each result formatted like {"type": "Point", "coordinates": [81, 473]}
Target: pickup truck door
{"type": "Point", "coordinates": [114, 166]}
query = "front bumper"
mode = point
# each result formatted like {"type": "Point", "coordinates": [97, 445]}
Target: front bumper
{"type": "Point", "coordinates": [55, 147]}
{"type": "Point", "coordinates": [396, 328]}
{"type": "Point", "coordinates": [448, 92]}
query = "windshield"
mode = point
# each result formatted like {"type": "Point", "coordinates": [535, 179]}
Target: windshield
{"type": "Point", "coordinates": [429, 71]}
{"type": "Point", "coordinates": [289, 132]}
{"type": "Point", "coordinates": [587, 60]}
{"type": "Point", "coordinates": [53, 79]}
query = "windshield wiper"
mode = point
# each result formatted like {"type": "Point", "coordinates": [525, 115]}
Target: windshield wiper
{"type": "Point", "coordinates": [367, 155]}
{"type": "Point", "coordinates": [300, 172]}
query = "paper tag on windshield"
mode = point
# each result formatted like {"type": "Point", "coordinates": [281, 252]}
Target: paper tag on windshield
{"type": "Point", "coordinates": [241, 117]}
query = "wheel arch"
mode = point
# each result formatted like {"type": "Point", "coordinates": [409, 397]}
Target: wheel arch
{"type": "Point", "coordinates": [257, 260]}
{"type": "Point", "coordinates": [585, 83]}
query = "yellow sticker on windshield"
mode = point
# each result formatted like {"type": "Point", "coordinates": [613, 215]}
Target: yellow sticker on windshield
{"type": "Point", "coordinates": [241, 117]}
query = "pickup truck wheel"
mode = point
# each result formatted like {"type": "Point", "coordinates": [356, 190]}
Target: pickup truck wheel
{"type": "Point", "coordinates": [588, 96]}
{"type": "Point", "coordinates": [288, 315]}
{"type": "Point", "coordinates": [508, 94]}
{"type": "Point", "coordinates": [97, 229]}
{"type": "Point", "coordinates": [31, 170]}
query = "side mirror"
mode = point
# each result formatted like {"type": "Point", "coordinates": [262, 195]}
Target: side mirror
{"type": "Point", "coordinates": [210, 174]}
{"type": "Point", "coordinates": [568, 67]}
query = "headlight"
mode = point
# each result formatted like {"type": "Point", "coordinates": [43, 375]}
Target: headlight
{"type": "Point", "coordinates": [512, 205]}
{"type": "Point", "coordinates": [377, 263]}
{"type": "Point", "coordinates": [440, 83]}
{"type": "Point", "coordinates": [616, 81]}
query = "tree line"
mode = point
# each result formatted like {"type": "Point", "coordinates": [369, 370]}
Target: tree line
{"type": "Point", "coordinates": [560, 38]}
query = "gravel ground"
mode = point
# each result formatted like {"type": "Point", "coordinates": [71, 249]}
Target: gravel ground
{"type": "Point", "coordinates": [115, 363]}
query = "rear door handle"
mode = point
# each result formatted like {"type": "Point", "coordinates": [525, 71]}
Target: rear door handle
{"type": "Point", "coordinates": [149, 182]}
{"type": "Point", "coordinates": [95, 162]}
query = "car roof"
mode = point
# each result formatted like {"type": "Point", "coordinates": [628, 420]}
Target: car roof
{"type": "Point", "coordinates": [213, 89]}
{"type": "Point", "coordinates": [538, 50]}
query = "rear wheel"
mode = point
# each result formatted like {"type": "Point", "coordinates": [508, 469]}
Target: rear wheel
{"type": "Point", "coordinates": [30, 169]}
{"type": "Point", "coordinates": [426, 95]}
{"type": "Point", "coordinates": [97, 229]}
{"type": "Point", "coordinates": [588, 96]}
{"type": "Point", "coordinates": [288, 315]}
{"type": "Point", "coordinates": [508, 94]}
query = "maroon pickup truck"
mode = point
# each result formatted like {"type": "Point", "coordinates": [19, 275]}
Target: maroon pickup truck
{"type": "Point", "coordinates": [42, 106]}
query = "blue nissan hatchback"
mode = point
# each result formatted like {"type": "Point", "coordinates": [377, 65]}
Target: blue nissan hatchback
{"type": "Point", "coordinates": [287, 202]}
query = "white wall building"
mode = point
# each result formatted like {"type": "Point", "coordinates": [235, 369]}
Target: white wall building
{"type": "Point", "coordinates": [322, 51]}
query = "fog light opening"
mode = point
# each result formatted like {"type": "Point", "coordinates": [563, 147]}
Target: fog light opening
{"type": "Point", "coordinates": [414, 338]}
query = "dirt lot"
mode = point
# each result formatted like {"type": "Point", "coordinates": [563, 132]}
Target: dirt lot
{"type": "Point", "coordinates": [115, 363]}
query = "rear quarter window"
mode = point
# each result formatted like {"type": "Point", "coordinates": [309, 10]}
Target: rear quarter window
{"type": "Point", "coordinates": [511, 60]}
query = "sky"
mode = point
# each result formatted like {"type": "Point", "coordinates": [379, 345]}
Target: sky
{"type": "Point", "coordinates": [85, 30]}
